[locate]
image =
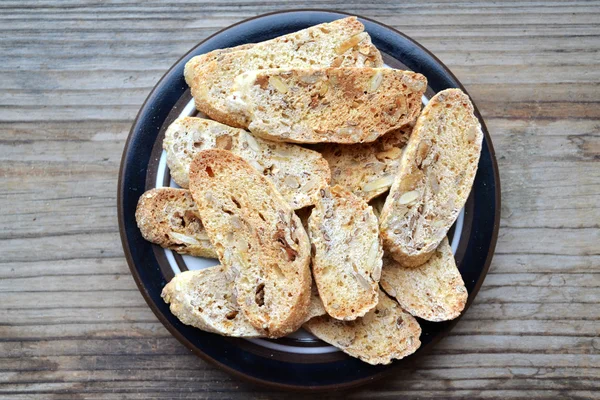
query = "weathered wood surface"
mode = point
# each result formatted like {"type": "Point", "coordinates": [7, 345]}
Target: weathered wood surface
{"type": "Point", "coordinates": [73, 75]}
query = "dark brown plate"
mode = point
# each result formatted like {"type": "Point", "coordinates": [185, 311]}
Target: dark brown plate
{"type": "Point", "coordinates": [298, 362]}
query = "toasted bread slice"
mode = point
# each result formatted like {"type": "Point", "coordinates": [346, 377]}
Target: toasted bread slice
{"type": "Point", "coordinates": [257, 236]}
{"type": "Point", "coordinates": [169, 218]}
{"type": "Point", "coordinates": [206, 299]}
{"type": "Point", "coordinates": [383, 334]}
{"type": "Point", "coordinates": [434, 291]}
{"type": "Point", "coordinates": [367, 169]}
{"type": "Point", "coordinates": [297, 173]}
{"type": "Point", "coordinates": [338, 43]}
{"type": "Point", "coordinates": [347, 253]}
{"type": "Point", "coordinates": [329, 105]}
{"type": "Point", "coordinates": [436, 173]}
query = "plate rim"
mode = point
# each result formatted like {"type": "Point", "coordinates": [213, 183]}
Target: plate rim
{"type": "Point", "coordinates": [278, 385]}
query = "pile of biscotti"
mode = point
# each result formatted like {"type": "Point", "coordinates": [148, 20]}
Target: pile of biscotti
{"type": "Point", "coordinates": [305, 130]}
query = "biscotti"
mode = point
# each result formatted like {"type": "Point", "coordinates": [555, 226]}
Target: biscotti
{"type": "Point", "coordinates": [436, 173]}
{"type": "Point", "coordinates": [258, 238]}
{"type": "Point", "coordinates": [206, 299]}
{"type": "Point", "coordinates": [347, 253]}
{"type": "Point", "coordinates": [169, 218]}
{"type": "Point", "coordinates": [434, 291]}
{"type": "Point", "coordinates": [338, 43]}
{"type": "Point", "coordinates": [297, 173]}
{"type": "Point", "coordinates": [367, 169]}
{"type": "Point", "coordinates": [328, 105]}
{"type": "Point", "coordinates": [383, 334]}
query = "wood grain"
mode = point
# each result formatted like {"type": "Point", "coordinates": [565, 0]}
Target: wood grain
{"type": "Point", "coordinates": [73, 75]}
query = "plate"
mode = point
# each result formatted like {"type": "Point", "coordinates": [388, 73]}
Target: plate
{"type": "Point", "coordinates": [298, 361]}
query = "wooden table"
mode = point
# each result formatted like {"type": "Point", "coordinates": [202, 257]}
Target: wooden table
{"type": "Point", "coordinates": [73, 74]}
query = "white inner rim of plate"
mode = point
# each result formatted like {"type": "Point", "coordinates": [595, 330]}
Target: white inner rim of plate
{"type": "Point", "coordinates": [195, 263]}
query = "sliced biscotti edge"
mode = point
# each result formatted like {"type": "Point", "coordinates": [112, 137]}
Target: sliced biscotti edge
{"type": "Point", "coordinates": [202, 59]}
{"type": "Point", "coordinates": [382, 335]}
{"type": "Point", "coordinates": [437, 170]}
{"type": "Point", "coordinates": [367, 169]}
{"type": "Point", "coordinates": [329, 105]}
{"type": "Point", "coordinates": [257, 236]}
{"type": "Point", "coordinates": [169, 218]}
{"type": "Point", "coordinates": [341, 42]}
{"type": "Point", "coordinates": [347, 253]}
{"type": "Point", "coordinates": [297, 173]}
{"type": "Point", "coordinates": [200, 62]}
{"type": "Point", "coordinates": [434, 291]}
{"type": "Point", "coordinates": [206, 299]}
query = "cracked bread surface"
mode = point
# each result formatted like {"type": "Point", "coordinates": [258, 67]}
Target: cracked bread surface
{"type": "Point", "coordinates": [328, 105]}
{"type": "Point", "coordinates": [257, 236]}
{"type": "Point", "coordinates": [297, 173]}
{"type": "Point", "coordinates": [347, 253]}
{"type": "Point", "coordinates": [339, 43]}
{"type": "Point", "coordinates": [169, 218]}
{"type": "Point", "coordinates": [436, 173]}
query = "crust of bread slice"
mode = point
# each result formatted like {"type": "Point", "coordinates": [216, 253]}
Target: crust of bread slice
{"type": "Point", "coordinates": [297, 173]}
{"type": "Point", "coordinates": [169, 218]}
{"type": "Point", "coordinates": [338, 43]}
{"type": "Point", "coordinates": [329, 105]}
{"type": "Point", "coordinates": [347, 253]}
{"type": "Point", "coordinates": [367, 169]}
{"type": "Point", "coordinates": [436, 174]}
{"type": "Point", "coordinates": [257, 235]}
{"type": "Point", "coordinates": [383, 334]}
{"type": "Point", "coordinates": [206, 300]}
{"type": "Point", "coordinates": [203, 59]}
{"type": "Point", "coordinates": [434, 291]}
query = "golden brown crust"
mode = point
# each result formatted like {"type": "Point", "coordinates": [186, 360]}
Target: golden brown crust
{"type": "Point", "coordinates": [258, 238]}
{"type": "Point", "coordinates": [169, 218]}
{"type": "Point", "coordinates": [329, 105]}
{"type": "Point", "coordinates": [339, 43]}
